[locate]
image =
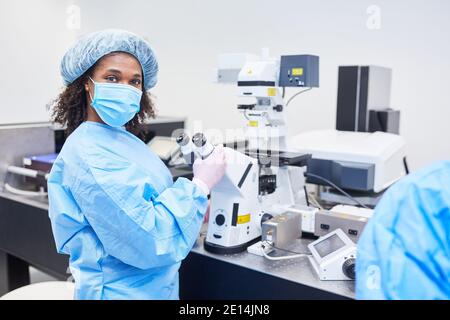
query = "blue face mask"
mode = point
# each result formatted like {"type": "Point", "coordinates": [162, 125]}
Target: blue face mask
{"type": "Point", "coordinates": [116, 104]}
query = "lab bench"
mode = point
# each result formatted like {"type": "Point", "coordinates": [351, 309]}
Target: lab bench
{"type": "Point", "coordinates": [26, 239]}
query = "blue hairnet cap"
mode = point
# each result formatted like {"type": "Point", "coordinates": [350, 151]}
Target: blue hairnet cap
{"type": "Point", "coordinates": [92, 47]}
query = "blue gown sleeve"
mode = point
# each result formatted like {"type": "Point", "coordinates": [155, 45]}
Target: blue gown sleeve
{"type": "Point", "coordinates": [404, 251]}
{"type": "Point", "coordinates": [135, 223]}
{"type": "Point", "coordinates": [65, 215]}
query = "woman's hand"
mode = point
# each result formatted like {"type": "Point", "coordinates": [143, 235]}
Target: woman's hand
{"type": "Point", "coordinates": [211, 170]}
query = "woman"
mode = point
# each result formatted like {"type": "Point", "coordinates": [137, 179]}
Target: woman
{"type": "Point", "coordinates": [113, 205]}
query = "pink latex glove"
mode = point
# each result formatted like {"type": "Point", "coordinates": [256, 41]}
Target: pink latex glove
{"type": "Point", "coordinates": [210, 170]}
{"type": "Point", "coordinates": [206, 218]}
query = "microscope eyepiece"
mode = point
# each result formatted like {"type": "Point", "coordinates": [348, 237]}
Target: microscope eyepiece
{"type": "Point", "coordinates": [182, 139]}
{"type": "Point", "coordinates": [199, 140]}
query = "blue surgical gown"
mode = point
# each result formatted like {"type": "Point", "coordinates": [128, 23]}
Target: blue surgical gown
{"type": "Point", "coordinates": [115, 210]}
{"type": "Point", "coordinates": [404, 251]}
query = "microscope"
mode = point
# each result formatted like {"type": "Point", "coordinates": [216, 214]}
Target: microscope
{"type": "Point", "coordinates": [259, 182]}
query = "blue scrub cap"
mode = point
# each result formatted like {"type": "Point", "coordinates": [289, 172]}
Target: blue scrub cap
{"type": "Point", "coordinates": [92, 47]}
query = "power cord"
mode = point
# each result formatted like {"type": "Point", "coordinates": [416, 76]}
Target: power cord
{"type": "Point", "coordinates": [314, 202]}
{"type": "Point", "coordinates": [268, 245]}
{"type": "Point", "coordinates": [306, 196]}
{"type": "Point", "coordinates": [405, 165]}
{"type": "Point", "coordinates": [312, 175]}
{"type": "Point", "coordinates": [295, 95]}
{"type": "Point", "coordinates": [290, 251]}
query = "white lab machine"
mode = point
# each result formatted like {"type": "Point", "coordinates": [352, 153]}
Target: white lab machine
{"type": "Point", "coordinates": [352, 223]}
{"type": "Point", "coordinates": [333, 256]}
{"type": "Point", "coordinates": [258, 181]}
{"type": "Point", "coordinates": [361, 161]}
{"type": "Point", "coordinates": [244, 198]}
{"type": "Point", "coordinates": [235, 213]}
{"type": "Point", "coordinates": [260, 81]}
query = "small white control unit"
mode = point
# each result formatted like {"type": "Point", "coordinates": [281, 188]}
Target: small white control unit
{"type": "Point", "coordinates": [333, 256]}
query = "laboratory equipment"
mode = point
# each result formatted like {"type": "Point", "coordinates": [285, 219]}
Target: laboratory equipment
{"type": "Point", "coordinates": [248, 194]}
{"type": "Point", "coordinates": [364, 164]}
{"type": "Point", "coordinates": [259, 84]}
{"type": "Point", "coordinates": [263, 192]}
{"type": "Point", "coordinates": [385, 120]}
{"type": "Point", "coordinates": [259, 182]}
{"type": "Point", "coordinates": [19, 141]}
{"type": "Point", "coordinates": [230, 65]}
{"type": "Point", "coordinates": [349, 219]}
{"type": "Point", "coordinates": [363, 102]}
{"type": "Point", "coordinates": [333, 256]}
{"type": "Point", "coordinates": [42, 164]}
{"type": "Point", "coordinates": [308, 217]}
{"type": "Point", "coordinates": [235, 214]}
{"type": "Point", "coordinates": [186, 148]}
{"type": "Point", "coordinates": [202, 146]}
{"type": "Point", "coordinates": [282, 230]}
{"type": "Point", "coordinates": [299, 71]}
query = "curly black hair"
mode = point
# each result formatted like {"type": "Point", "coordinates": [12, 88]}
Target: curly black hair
{"type": "Point", "coordinates": [70, 108]}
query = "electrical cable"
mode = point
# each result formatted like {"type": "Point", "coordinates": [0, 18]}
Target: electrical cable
{"type": "Point", "coordinates": [295, 95]}
{"type": "Point", "coordinates": [294, 256]}
{"type": "Point", "coordinates": [246, 116]}
{"type": "Point", "coordinates": [312, 175]}
{"type": "Point", "coordinates": [315, 202]}
{"type": "Point", "coordinates": [405, 164]}
{"type": "Point", "coordinates": [290, 251]}
{"type": "Point", "coordinates": [306, 196]}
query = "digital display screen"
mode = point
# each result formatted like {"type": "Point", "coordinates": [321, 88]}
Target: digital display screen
{"type": "Point", "coordinates": [329, 245]}
{"type": "Point", "coordinates": [297, 71]}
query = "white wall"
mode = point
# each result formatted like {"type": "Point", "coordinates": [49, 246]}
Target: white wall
{"type": "Point", "coordinates": [188, 35]}
{"type": "Point", "coordinates": [32, 41]}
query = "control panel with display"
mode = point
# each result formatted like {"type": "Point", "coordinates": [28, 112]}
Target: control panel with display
{"type": "Point", "coordinates": [299, 71]}
{"type": "Point", "coordinates": [333, 256]}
